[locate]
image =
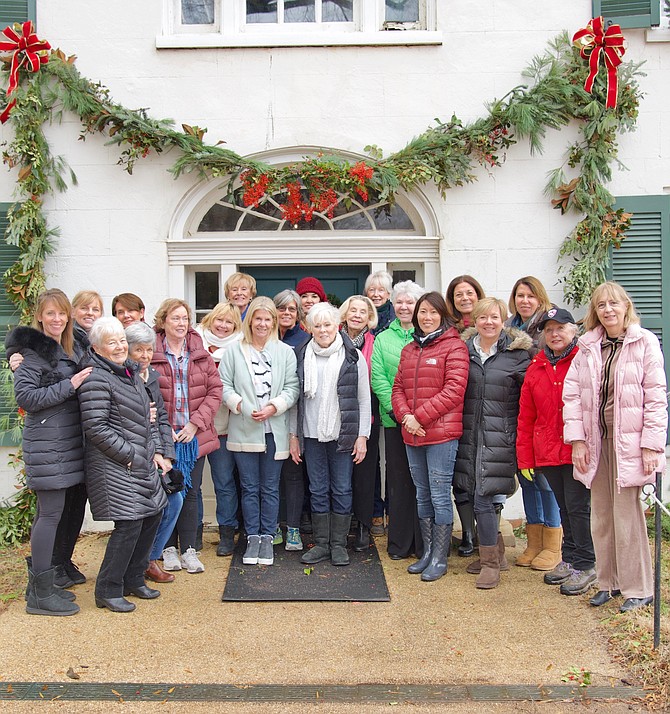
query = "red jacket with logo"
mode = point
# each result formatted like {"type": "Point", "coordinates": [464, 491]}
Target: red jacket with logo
{"type": "Point", "coordinates": [430, 384]}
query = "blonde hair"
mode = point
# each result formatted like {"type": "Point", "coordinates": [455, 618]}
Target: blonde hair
{"type": "Point", "coordinates": [86, 297]}
{"type": "Point", "coordinates": [536, 287]}
{"type": "Point", "coordinates": [260, 303]}
{"type": "Point", "coordinates": [218, 312]}
{"type": "Point", "coordinates": [613, 290]}
{"type": "Point", "coordinates": [166, 307]}
{"type": "Point", "coordinates": [236, 278]}
{"type": "Point", "coordinates": [60, 300]}
{"type": "Point", "coordinates": [485, 304]}
{"type": "Point", "coordinates": [372, 310]}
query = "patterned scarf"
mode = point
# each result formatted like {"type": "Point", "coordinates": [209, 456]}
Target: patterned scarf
{"type": "Point", "coordinates": [554, 359]}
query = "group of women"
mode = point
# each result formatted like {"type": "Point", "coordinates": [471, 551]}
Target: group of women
{"type": "Point", "coordinates": [287, 398]}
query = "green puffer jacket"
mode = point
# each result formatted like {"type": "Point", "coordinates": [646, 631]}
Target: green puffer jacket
{"type": "Point", "coordinates": [385, 359]}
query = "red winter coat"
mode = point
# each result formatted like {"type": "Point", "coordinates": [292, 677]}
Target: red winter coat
{"type": "Point", "coordinates": [205, 390]}
{"type": "Point", "coordinates": [430, 384]}
{"type": "Point", "coordinates": [539, 435]}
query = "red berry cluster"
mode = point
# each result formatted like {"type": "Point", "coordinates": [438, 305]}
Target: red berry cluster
{"type": "Point", "coordinates": [254, 188]}
{"type": "Point", "coordinates": [361, 173]}
{"type": "Point", "coordinates": [295, 209]}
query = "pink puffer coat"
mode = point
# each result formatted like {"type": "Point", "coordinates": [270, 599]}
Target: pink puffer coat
{"type": "Point", "coordinates": [640, 404]}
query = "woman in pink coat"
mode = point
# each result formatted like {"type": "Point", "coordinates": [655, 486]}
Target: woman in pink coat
{"type": "Point", "coordinates": [616, 418]}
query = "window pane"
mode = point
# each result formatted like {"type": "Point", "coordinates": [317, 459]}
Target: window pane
{"type": "Point", "coordinates": [402, 10]}
{"type": "Point", "coordinates": [197, 12]}
{"type": "Point", "coordinates": [299, 11]}
{"type": "Point", "coordinates": [261, 11]}
{"type": "Point", "coordinates": [206, 290]}
{"type": "Point", "coordinates": [220, 218]}
{"type": "Point", "coordinates": [392, 218]}
{"type": "Point", "coordinates": [337, 10]}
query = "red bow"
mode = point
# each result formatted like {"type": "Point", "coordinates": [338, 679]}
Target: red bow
{"type": "Point", "coordinates": [27, 50]}
{"type": "Point", "coordinates": [593, 43]}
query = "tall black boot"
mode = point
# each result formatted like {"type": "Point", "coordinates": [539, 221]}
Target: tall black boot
{"type": "Point", "coordinates": [440, 549]}
{"type": "Point", "coordinates": [362, 541]}
{"type": "Point", "coordinates": [321, 549]}
{"type": "Point", "coordinates": [339, 530]}
{"type": "Point", "coordinates": [467, 515]}
{"type": "Point", "coordinates": [43, 599]}
{"type": "Point", "coordinates": [426, 526]}
{"type": "Point", "coordinates": [226, 540]}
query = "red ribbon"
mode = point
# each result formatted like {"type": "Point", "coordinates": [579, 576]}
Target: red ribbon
{"type": "Point", "coordinates": [28, 50]}
{"type": "Point", "coordinates": [593, 43]}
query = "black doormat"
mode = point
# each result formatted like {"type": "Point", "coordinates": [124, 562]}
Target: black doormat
{"type": "Point", "coordinates": [288, 579]}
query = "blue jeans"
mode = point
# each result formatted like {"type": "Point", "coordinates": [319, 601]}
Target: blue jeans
{"type": "Point", "coordinates": [539, 502]}
{"type": "Point", "coordinates": [167, 524]}
{"type": "Point", "coordinates": [432, 469]}
{"type": "Point", "coordinates": [259, 481]}
{"type": "Point", "coordinates": [329, 472]}
{"type": "Point", "coordinates": [222, 465]}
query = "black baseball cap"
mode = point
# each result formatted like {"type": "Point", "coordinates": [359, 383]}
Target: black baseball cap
{"type": "Point", "coordinates": [557, 314]}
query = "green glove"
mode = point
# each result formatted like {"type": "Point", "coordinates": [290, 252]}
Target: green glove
{"type": "Point", "coordinates": [528, 474]}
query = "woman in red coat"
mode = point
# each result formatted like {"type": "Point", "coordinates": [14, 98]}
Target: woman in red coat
{"type": "Point", "coordinates": [427, 400]}
{"type": "Point", "coordinates": [539, 444]}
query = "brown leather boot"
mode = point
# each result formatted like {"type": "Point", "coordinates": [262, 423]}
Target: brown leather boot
{"type": "Point", "coordinates": [551, 553]}
{"type": "Point", "coordinates": [476, 566]}
{"type": "Point", "coordinates": [156, 574]}
{"type": "Point", "coordinates": [534, 547]}
{"type": "Point", "coordinates": [490, 575]}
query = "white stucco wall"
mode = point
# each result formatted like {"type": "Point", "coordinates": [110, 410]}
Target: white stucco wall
{"type": "Point", "coordinates": [114, 226]}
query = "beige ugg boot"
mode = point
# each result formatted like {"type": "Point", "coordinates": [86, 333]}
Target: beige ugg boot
{"type": "Point", "coordinates": [550, 556]}
{"type": "Point", "coordinates": [490, 574]}
{"type": "Point", "coordinates": [534, 547]}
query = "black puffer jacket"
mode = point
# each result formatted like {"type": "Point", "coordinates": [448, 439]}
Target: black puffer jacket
{"type": "Point", "coordinates": [115, 417]}
{"type": "Point", "coordinates": [486, 457]}
{"type": "Point", "coordinates": [52, 440]}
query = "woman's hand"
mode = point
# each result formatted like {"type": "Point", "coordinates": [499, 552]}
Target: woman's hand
{"type": "Point", "coordinates": [412, 425]}
{"type": "Point", "coordinates": [187, 433]}
{"type": "Point", "coordinates": [360, 449]}
{"type": "Point", "coordinates": [650, 461]}
{"type": "Point", "coordinates": [78, 378]}
{"type": "Point", "coordinates": [15, 360]}
{"type": "Point", "coordinates": [265, 413]}
{"type": "Point", "coordinates": [152, 412]}
{"type": "Point", "coordinates": [294, 448]}
{"type": "Point", "coordinates": [580, 456]}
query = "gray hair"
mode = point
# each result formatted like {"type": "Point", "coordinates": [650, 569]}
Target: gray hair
{"type": "Point", "coordinates": [573, 328]}
{"type": "Point", "coordinates": [320, 311]}
{"type": "Point", "coordinates": [103, 328]}
{"type": "Point", "coordinates": [139, 333]}
{"type": "Point", "coordinates": [381, 277]}
{"type": "Point", "coordinates": [285, 297]}
{"type": "Point", "coordinates": [407, 287]}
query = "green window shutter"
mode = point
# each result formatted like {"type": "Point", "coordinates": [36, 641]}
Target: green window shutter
{"type": "Point", "coordinates": [8, 312]}
{"type": "Point", "coordinates": [629, 13]}
{"type": "Point", "coordinates": [12, 11]}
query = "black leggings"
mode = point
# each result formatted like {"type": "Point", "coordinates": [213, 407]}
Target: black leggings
{"type": "Point", "coordinates": [50, 506]}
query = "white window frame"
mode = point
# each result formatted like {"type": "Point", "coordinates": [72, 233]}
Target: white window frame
{"type": "Point", "coordinates": [230, 29]}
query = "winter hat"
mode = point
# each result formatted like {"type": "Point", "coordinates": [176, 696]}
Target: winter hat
{"type": "Point", "coordinates": [558, 314]}
{"type": "Point", "coordinates": [311, 285]}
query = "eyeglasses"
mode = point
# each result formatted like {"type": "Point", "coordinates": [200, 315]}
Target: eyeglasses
{"type": "Point", "coordinates": [178, 320]}
{"type": "Point", "coordinates": [288, 308]}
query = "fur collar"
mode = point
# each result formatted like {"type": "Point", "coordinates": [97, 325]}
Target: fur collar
{"type": "Point", "coordinates": [28, 338]}
{"type": "Point", "coordinates": [510, 339]}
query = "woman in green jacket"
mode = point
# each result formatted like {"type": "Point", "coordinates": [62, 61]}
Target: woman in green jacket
{"type": "Point", "coordinates": [404, 535]}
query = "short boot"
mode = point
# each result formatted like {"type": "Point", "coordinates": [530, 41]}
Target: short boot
{"type": "Point", "coordinates": [441, 538]}
{"type": "Point", "coordinates": [362, 539]}
{"type": "Point", "coordinates": [490, 574]}
{"type": "Point", "coordinates": [339, 530]}
{"type": "Point", "coordinates": [534, 547]}
{"type": "Point", "coordinates": [156, 574]}
{"type": "Point", "coordinates": [43, 599]}
{"type": "Point", "coordinates": [226, 540]}
{"type": "Point", "coordinates": [65, 594]}
{"type": "Point", "coordinates": [476, 566]}
{"type": "Point", "coordinates": [426, 526]}
{"type": "Point", "coordinates": [321, 550]}
{"type": "Point", "coordinates": [467, 515]}
{"type": "Point", "coordinates": [61, 578]}
{"type": "Point", "coordinates": [551, 554]}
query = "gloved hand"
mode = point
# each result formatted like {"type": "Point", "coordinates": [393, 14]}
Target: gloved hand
{"type": "Point", "coordinates": [528, 474]}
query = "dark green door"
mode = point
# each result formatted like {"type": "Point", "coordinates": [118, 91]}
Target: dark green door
{"type": "Point", "coordinates": [339, 281]}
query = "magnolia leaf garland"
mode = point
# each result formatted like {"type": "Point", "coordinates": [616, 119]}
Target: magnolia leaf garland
{"type": "Point", "coordinates": [447, 154]}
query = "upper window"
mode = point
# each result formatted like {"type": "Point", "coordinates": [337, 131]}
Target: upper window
{"type": "Point", "coordinates": [270, 23]}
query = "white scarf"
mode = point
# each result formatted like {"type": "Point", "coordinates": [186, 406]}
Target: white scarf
{"type": "Point", "coordinates": [328, 426]}
{"type": "Point", "coordinates": [209, 339]}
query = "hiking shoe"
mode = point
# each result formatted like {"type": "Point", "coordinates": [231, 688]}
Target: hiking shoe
{"type": "Point", "coordinates": [293, 539]}
{"type": "Point", "coordinates": [580, 581]}
{"type": "Point", "coordinates": [191, 562]}
{"type": "Point", "coordinates": [377, 527]}
{"type": "Point", "coordinates": [266, 555]}
{"type": "Point", "coordinates": [250, 556]}
{"type": "Point", "coordinates": [278, 538]}
{"type": "Point", "coordinates": [171, 559]}
{"type": "Point", "coordinates": [559, 574]}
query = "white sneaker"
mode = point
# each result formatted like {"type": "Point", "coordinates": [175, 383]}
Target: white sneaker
{"type": "Point", "coordinates": [171, 559]}
{"type": "Point", "coordinates": [191, 562]}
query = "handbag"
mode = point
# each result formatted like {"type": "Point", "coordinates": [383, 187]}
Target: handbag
{"type": "Point", "coordinates": [172, 481]}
